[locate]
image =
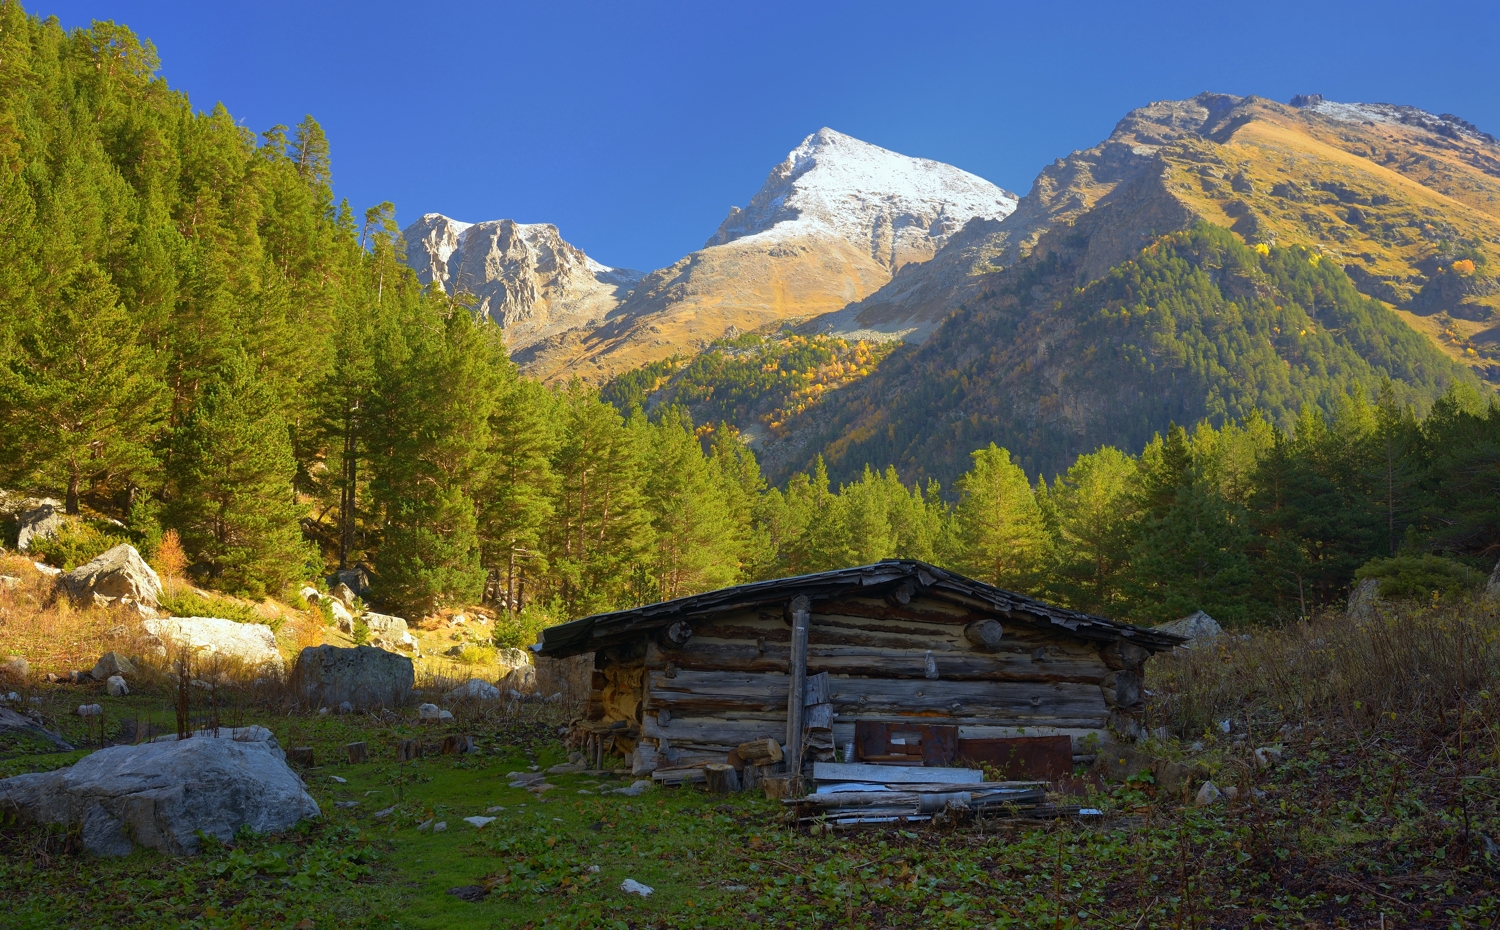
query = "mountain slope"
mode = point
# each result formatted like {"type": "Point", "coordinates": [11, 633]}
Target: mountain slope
{"type": "Point", "coordinates": [829, 226]}
{"type": "Point", "coordinates": [1198, 325]}
{"type": "Point", "coordinates": [1394, 194]}
{"type": "Point", "coordinates": [525, 276]}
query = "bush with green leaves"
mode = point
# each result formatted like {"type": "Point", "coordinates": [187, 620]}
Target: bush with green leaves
{"type": "Point", "coordinates": [183, 601]}
{"type": "Point", "coordinates": [77, 542]}
{"type": "Point", "coordinates": [1421, 576]}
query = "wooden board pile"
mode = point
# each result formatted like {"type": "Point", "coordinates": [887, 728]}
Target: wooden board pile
{"type": "Point", "coordinates": [849, 794]}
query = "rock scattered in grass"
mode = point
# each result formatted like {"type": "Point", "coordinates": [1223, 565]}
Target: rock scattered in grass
{"type": "Point", "coordinates": [440, 826]}
{"type": "Point", "coordinates": [342, 781]}
{"type": "Point", "coordinates": [479, 822]}
{"type": "Point", "coordinates": [497, 807]}
{"type": "Point", "coordinates": [471, 893]}
{"type": "Point", "coordinates": [636, 789]}
{"type": "Point", "coordinates": [346, 805]}
{"type": "Point", "coordinates": [631, 886]}
{"type": "Point", "coordinates": [424, 825]}
{"type": "Point", "coordinates": [381, 815]}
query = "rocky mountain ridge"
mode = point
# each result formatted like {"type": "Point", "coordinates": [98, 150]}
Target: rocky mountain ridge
{"type": "Point", "coordinates": [831, 224]}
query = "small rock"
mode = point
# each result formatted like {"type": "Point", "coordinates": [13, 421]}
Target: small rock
{"type": "Point", "coordinates": [346, 708]}
{"type": "Point", "coordinates": [475, 689]}
{"type": "Point", "coordinates": [440, 826]}
{"type": "Point", "coordinates": [471, 893]}
{"type": "Point", "coordinates": [429, 712]}
{"type": "Point", "coordinates": [1196, 747]}
{"type": "Point", "coordinates": [15, 667]}
{"type": "Point", "coordinates": [567, 768]}
{"type": "Point", "coordinates": [736, 889]}
{"type": "Point", "coordinates": [117, 686]}
{"type": "Point", "coordinates": [9, 581]}
{"type": "Point", "coordinates": [41, 520]}
{"type": "Point", "coordinates": [541, 788]}
{"type": "Point", "coordinates": [1162, 734]}
{"type": "Point", "coordinates": [1225, 726]}
{"type": "Point", "coordinates": [497, 807]}
{"type": "Point", "coordinates": [424, 825]}
{"type": "Point", "coordinates": [346, 805]}
{"type": "Point", "coordinates": [631, 886]}
{"type": "Point", "coordinates": [1267, 756]}
{"type": "Point", "coordinates": [111, 664]}
{"type": "Point", "coordinates": [1208, 794]}
{"type": "Point", "coordinates": [341, 616]}
{"type": "Point", "coordinates": [584, 791]}
{"type": "Point", "coordinates": [479, 822]}
{"type": "Point", "coordinates": [383, 814]}
{"type": "Point", "coordinates": [575, 756]}
{"type": "Point", "coordinates": [636, 789]}
{"type": "Point", "coordinates": [47, 570]}
{"type": "Point", "coordinates": [11, 697]}
{"type": "Point", "coordinates": [1231, 792]}
{"type": "Point", "coordinates": [323, 712]}
{"type": "Point", "coordinates": [89, 710]}
{"type": "Point", "coordinates": [337, 779]}
{"type": "Point", "coordinates": [593, 870]}
{"type": "Point", "coordinates": [444, 715]}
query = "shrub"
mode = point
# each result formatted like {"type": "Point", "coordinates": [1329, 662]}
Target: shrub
{"type": "Point", "coordinates": [1422, 576]}
{"type": "Point", "coordinates": [186, 602]}
{"type": "Point", "coordinates": [520, 630]}
{"type": "Point", "coordinates": [169, 559]}
{"type": "Point", "coordinates": [77, 542]}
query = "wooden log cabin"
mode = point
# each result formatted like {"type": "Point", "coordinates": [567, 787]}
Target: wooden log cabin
{"type": "Point", "coordinates": [898, 642]}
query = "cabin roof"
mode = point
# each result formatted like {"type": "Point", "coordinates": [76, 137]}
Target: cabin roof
{"type": "Point", "coordinates": [588, 634]}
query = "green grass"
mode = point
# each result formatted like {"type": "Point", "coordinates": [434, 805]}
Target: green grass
{"type": "Point", "coordinates": [183, 601]}
{"type": "Point", "coordinates": [1332, 845]}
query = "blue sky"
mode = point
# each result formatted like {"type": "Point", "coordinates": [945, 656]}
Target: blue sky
{"type": "Point", "coordinates": [635, 125]}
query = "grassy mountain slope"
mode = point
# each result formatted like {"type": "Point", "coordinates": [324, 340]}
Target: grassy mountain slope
{"type": "Point", "coordinates": [1197, 325]}
{"type": "Point", "coordinates": [1407, 202]}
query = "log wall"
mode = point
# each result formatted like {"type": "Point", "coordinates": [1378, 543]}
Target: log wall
{"type": "Point", "coordinates": [728, 683]}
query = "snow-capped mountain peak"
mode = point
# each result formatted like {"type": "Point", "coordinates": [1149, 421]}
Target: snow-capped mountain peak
{"type": "Point", "coordinates": [900, 208]}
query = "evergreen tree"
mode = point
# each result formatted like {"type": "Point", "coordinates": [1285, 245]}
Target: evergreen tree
{"type": "Point", "coordinates": [1097, 522]}
{"type": "Point", "coordinates": [699, 537]}
{"type": "Point", "coordinates": [80, 400]}
{"type": "Point", "coordinates": [231, 486]}
{"type": "Point", "coordinates": [521, 489]}
{"type": "Point", "coordinates": [1000, 529]}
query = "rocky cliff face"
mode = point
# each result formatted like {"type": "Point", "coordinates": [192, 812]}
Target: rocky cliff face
{"type": "Point", "coordinates": [525, 276]}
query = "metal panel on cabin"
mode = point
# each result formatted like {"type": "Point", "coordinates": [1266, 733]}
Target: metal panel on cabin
{"type": "Point", "coordinates": [1045, 757]}
{"type": "Point", "coordinates": [905, 743]}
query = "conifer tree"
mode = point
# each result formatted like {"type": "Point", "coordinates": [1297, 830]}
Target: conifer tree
{"type": "Point", "coordinates": [231, 500]}
{"type": "Point", "coordinates": [1097, 520]}
{"type": "Point", "coordinates": [699, 537]}
{"type": "Point", "coordinates": [80, 400]}
{"type": "Point", "coordinates": [520, 490]}
{"type": "Point", "coordinates": [1000, 529]}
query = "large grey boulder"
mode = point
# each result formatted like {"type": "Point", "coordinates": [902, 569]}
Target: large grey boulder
{"type": "Point", "coordinates": [163, 794]}
{"type": "Point", "coordinates": [1197, 626]}
{"type": "Point", "coordinates": [120, 574]}
{"type": "Point", "coordinates": [40, 519]}
{"type": "Point", "coordinates": [250, 644]}
{"type": "Point", "coordinates": [364, 676]}
{"type": "Point", "coordinates": [510, 657]}
{"type": "Point", "coordinates": [1492, 587]}
{"type": "Point", "coordinates": [522, 679]}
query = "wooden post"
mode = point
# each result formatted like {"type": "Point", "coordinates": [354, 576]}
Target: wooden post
{"type": "Point", "coordinates": [407, 750]}
{"type": "Point", "coordinates": [356, 753]}
{"type": "Point", "coordinates": [721, 778]}
{"type": "Point", "coordinates": [801, 609]}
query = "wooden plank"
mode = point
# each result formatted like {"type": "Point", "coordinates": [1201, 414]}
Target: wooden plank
{"type": "Point", "coordinates": [1008, 663]}
{"type": "Point", "coordinates": [816, 690]}
{"type": "Point", "coordinates": [818, 715]}
{"type": "Point", "coordinates": [894, 774]}
{"type": "Point", "coordinates": [712, 693]}
{"type": "Point", "coordinates": [797, 680]}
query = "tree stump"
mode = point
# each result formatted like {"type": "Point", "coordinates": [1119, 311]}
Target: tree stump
{"type": "Point", "coordinates": [721, 778]}
{"type": "Point", "coordinates": [302, 755]}
{"type": "Point", "coordinates": [781, 786]}
{"type": "Point", "coordinates": [356, 753]}
{"type": "Point", "coordinates": [407, 750]}
{"type": "Point", "coordinates": [455, 745]}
